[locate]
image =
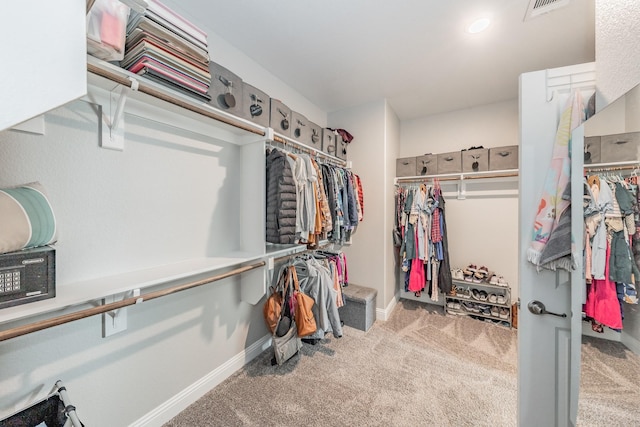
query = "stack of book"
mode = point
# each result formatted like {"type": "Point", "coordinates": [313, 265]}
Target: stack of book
{"type": "Point", "coordinates": [165, 47]}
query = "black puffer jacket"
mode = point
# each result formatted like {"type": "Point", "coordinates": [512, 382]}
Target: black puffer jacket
{"type": "Point", "coordinates": [281, 199]}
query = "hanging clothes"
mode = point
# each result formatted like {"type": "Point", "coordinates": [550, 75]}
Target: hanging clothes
{"type": "Point", "coordinates": [420, 231]}
{"type": "Point", "coordinates": [610, 206]}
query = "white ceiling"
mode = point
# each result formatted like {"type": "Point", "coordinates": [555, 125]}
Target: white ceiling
{"type": "Point", "coordinates": [414, 53]}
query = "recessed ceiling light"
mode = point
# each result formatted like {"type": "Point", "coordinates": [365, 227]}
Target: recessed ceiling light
{"type": "Point", "coordinates": [478, 25]}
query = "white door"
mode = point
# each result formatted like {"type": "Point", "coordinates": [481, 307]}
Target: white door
{"type": "Point", "coordinates": [44, 58]}
{"type": "Point", "coordinates": [548, 344]}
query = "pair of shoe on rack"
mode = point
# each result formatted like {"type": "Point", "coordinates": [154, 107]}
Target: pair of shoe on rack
{"type": "Point", "coordinates": [499, 299]}
{"type": "Point", "coordinates": [498, 280]}
{"type": "Point", "coordinates": [479, 295]}
{"type": "Point", "coordinates": [498, 312]}
{"type": "Point", "coordinates": [474, 274]}
{"type": "Point", "coordinates": [453, 305]}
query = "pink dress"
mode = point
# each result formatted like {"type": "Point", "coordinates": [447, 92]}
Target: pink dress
{"type": "Point", "coordinates": [602, 301]}
{"type": "Point", "coordinates": [416, 276]}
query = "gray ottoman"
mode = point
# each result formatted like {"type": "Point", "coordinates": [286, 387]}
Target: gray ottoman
{"type": "Point", "coordinates": [359, 310]}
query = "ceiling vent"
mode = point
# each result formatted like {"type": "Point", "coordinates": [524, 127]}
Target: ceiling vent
{"type": "Point", "coordinates": [540, 7]}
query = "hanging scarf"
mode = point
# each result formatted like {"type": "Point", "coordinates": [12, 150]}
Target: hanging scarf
{"type": "Point", "coordinates": [552, 205]}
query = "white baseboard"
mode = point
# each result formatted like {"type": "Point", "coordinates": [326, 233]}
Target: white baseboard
{"type": "Point", "coordinates": [179, 402]}
{"type": "Point", "coordinates": [384, 313]}
{"type": "Point", "coordinates": [632, 343]}
{"type": "Point", "coordinates": [607, 334]}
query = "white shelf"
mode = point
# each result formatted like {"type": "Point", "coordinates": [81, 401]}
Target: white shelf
{"type": "Point", "coordinates": [87, 291]}
{"type": "Point", "coordinates": [277, 250]}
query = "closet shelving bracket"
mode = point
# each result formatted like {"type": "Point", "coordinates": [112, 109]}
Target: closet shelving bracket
{"type": "Point", "coordinates": [112, 123]}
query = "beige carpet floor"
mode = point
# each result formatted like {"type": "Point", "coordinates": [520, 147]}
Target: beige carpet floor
{"type": "Point", "coordinates": [419, 368]}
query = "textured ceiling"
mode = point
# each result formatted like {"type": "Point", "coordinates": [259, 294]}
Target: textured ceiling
{"type": "Point", "coordinates": [414, 53]}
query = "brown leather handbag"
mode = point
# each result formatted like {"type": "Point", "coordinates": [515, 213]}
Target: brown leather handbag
{"type": "Point", "coordinates": [305, 321]}
{"type": "Point", "coordinates": [273, 307]}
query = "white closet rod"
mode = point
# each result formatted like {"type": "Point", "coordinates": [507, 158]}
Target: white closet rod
{"type": "Point", "coordinates": [460, 176]}
{"type": "Point", "coordinates": [310, 150]}
{"type": "Point", "coordinates": [614, 166]}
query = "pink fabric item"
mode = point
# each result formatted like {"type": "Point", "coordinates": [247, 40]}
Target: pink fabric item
{"type": "Point", "coordinates": [602, 301]}
{"type": "Point", "coordinates": [416, 276]}
{"type": "Point", "coordinates": [346, 271]}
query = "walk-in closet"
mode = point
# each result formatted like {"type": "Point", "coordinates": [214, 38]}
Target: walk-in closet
{"type": "Point", "coordinates": [336, 213]}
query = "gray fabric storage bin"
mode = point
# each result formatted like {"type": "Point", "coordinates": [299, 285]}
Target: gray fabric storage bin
{"type": "Point", "coordinates": [359, 310]}
{"type": "Point", "coordinates": [299, 127]}
{"type": "Point", "coordinates": [450, 162]}
{"type": "Point", "coordinates": [315, 136]}
{"type": "Point", "coordinates": [620, 147]}
{"type": "Point", "coordinates": [256, 105]}
{"type": "Point", "coordinates": [427, 165]}
{"type": "Point", "coordinates": [328, 141]}
{"type": "Point", "coordinates": [225, 82]}
{"type": "Point", "coordinates": [592, 150]}
{"type": "Point", "coordinates": [280, 118]}
{"type": "Point", "coordinates": [503, 158]}
{"type": "Point", "coordinates": [406, 166]}
{"type": "Point", "coordinates": [341, 148]}
{"type": "Point", "coordinates": [475, 160]}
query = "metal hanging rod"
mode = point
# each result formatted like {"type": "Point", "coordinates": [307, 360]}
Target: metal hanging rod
{"type": "Point", "coordinates": [459, 176]}
{"type": "Point", "coordinates": [310, 150]}
{"type": "Point", "coordinates": [324, 246]}
{"type": "Point", "coordinates": [610, 167]}
{"type": "Point", "coordinates": [81, 314]}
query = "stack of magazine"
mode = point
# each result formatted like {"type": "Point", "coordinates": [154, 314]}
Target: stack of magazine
{"type": "Point", "coordinates": [165, 47]}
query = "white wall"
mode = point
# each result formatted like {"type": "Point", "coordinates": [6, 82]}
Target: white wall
{"type": "Point", "coordinates": [392, 148]}
{"type": "Point", "coordinates": [617, 41]}
{"type": "Point", "coordinates": [482, 230]}
{"type": "Point", "coordinates": [367, 255]}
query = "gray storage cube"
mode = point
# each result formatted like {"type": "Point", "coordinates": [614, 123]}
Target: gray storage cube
{"type": "Point", "coordinates": [427, 165]}
{"type": "Point", "coordinates": [300, 127]}
{"type": "Point", "coordinates": [622, 147]}
{"type": "Point", "coordinates": [315, 136]}
{"type": "Point", "coordinates": [329, 141]}
{"type": "Point", "coordinates": [592, 150]}
{"type": "Point", "coordinates": [476, 160]}
{"type": "Point", "coordinates": [341, 148]}
{"type": "Point", "coordinates": [449, 162]}
{"type": "Point", "coordinates": [256, 105]}
{"type": "Point", "coordinates": [503, 158]}
{"type": "Point", "coordinates": [226, 89]}
{"type": "Point", "coordinates": [280, 118]}
{"type": "Point", "coordinates": [406, 166]}
{"type": "Point", "coordinates": [359, 310]}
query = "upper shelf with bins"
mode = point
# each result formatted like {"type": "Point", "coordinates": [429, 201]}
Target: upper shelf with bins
{"type": "Point", "coordinates": [104, 78]}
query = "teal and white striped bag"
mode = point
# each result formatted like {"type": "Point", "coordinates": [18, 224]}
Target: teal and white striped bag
{"type": "Point", "coordinates": [26, 218]}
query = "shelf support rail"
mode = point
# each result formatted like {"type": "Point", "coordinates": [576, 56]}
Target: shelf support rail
{"type": "Point", "coordinates": [81, 314]}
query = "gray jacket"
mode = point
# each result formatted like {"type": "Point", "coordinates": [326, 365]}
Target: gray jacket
{"type": "Point", "coordinates": [281, 200]}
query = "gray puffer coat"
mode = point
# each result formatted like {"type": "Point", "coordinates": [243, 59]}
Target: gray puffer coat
{"type": "Point", "coordinates": [281, 199]}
